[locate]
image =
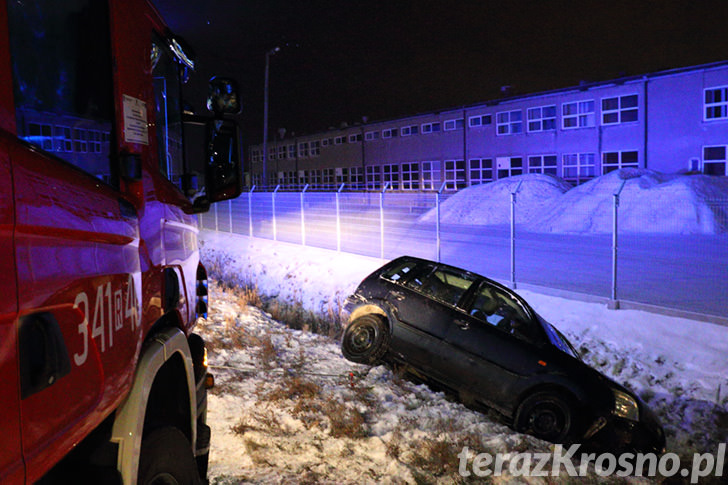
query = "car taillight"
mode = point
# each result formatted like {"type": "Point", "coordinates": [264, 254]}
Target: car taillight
{"type": "Point", "coordinates": [201, 292]}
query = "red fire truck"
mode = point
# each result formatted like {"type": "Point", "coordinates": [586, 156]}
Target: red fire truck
{"type": "Point", "coordinates": [103, 380]}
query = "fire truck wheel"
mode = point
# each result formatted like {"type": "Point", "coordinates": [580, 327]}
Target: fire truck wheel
{"type": "Point", "coordinates": [167, 459]}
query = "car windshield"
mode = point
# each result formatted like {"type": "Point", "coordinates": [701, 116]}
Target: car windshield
{"type": "Point", "coordinates": [557, 338]}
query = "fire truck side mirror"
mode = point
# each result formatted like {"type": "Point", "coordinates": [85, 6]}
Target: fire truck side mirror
{"type": "Point", "coordinates": [223, 96]}
{"type": "Point", "coordinates": [223, 174]}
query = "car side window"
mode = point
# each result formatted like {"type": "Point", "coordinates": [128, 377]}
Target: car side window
{"type": "Point", "coordinates": [500, 310]}
{"type": "Point", "coordinates": [447, 286]}
{"type": "Point", "coordinates": [416, 279]}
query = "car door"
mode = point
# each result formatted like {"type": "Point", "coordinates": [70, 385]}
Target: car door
{"type": "Point", "coordinates": [495, 345]}
{"type": "Point", "coordinates": [426, 305]}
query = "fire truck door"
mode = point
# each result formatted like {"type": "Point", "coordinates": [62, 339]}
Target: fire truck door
{"type": "Point", "coordinates": [11, 462]}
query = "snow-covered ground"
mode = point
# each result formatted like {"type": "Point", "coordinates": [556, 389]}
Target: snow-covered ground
{"type": "Point", "coordinates": [288, 407]}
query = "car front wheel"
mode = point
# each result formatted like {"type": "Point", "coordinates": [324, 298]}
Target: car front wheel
{"type": "Point", "coordinates": [366, 339]}
{"type": "Point", "coordinates": [546, 416]}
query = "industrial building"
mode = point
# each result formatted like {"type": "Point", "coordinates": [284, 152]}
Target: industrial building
{"type": "Point", "coordinates": [672, 121]}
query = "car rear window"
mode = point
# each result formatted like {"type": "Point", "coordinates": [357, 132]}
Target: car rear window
{"type": "Point", "coordinates": [399, 271]}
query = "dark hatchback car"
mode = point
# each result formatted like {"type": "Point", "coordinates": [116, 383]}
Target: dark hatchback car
{"type": "Point", "coordinates": [481, 341]}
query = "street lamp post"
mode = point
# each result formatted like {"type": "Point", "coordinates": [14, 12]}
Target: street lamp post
{"type": "Point", "coordinates": [265, 115]}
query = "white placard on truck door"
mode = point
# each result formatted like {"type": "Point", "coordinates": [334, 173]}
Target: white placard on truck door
{"type": "Point", "coordinates": [135, 121]}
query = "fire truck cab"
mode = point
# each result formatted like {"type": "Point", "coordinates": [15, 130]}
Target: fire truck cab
{"type": "Point", "coordinates": [103, 380]}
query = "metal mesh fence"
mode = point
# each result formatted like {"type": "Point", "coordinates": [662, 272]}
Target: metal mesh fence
{"type": "Point", "coordinates": [646, 261]}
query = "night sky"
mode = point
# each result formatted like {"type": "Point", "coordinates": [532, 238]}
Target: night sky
{"type": "Point", "coordinates": [341, 60]}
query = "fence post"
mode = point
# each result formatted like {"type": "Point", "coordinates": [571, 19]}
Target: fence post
{"type": "Point", "coordinates": [381, 220]}
{"type": "Point", "coordinates": [250, 210]}
{"type": "Point", "coordinates": [303, 218]}
{"type": "Point", "coordinates": [437, 221]}
{"type": "Point", "coordinates": [216, 228]}
{"type": "Point", "coordinates": [338, 219]}
{"type": "Point", "coordinates": [273, 203]}
{"type": "Point", "coordinates": [513, 234]}
{"type": "Point", "coordinates": [230, 214]}
{"type": "Point", "coordinates": [613, 303]}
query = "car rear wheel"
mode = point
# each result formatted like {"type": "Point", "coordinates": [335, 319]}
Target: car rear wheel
{"type": "Point", "coordinates": [366, 339]}
{"type": "Point", "coordinates": [545, 415]}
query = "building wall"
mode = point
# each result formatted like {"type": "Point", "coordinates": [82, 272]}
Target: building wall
{"type": "Point", "coordinates": [665, 121]}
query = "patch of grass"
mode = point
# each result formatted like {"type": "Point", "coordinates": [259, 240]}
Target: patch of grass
{"type": "Point", "coordinates": [344, 421]}
{"type": "Point", "coordinates": [267, 354]}
{"type": "Point", "coordinates": [294, 387]}
{"type": "Point", "coordinates": [438, 456]}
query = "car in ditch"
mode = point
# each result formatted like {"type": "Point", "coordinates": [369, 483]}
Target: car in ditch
{"type": "Point", "coordinates": [477, 339]}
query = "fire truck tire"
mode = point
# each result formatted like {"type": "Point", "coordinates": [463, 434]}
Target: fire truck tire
{"type": "Point", "coordinates": [167, 459]}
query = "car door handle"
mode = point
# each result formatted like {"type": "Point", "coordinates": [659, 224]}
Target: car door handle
{"type": "Point", "coordinates": [462, 324]}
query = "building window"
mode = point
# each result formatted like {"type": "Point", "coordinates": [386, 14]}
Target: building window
{"type": "Point", "coordinates": [620, 109]}
{"type": "Point", "coordinates": [374, 177]}
{"type": "Point", "coordinates": [431, 175]}
{"type": "Point", "coordinates": [509, 122]}
{"type": "Point", "coordinates": [480, 120]}
{"type": "Point", "coordinates": [456, 124]}
{"type": "Point", "coordinates": [339, 140]}
{"type": "Point", "coordinates": [302, 178]}
{"type": "Point", "coordinates": [329, 178]}
{"type": "Point", "coordinates": [355, 138]}
{"type": "Point", "coordinates": [411, 176]}
{"type": "Point", "coordinates": [542, 164]}
{"type": "Point", "coordinates": [455, 174]}
{"type": "Point", "coordinates": [389, 133]}
{"type": "Point", "coordinates": [79, 140]}
{"type": "Point", "coordinates": [303, 149]}
{"type": "Point", "coordinates": [716, 103]}
{"type": "Point", "coordinates": [272, 153]}
{"type": "Point", "coordinates": [542, 118]}
{"type": "Point", "coordinates": [481, 170]}
{"type": "Point", "coordinates": [289, 179]}
{"type": "Point", "coordinates": [715, 161]}
{"type": "Point", "coordinates": [371, 135]}
{"type": "Point", "coordinates": [579, 114]}
{"type": "Point", "coordinates": [410, 130]}
{"type": "Point", "coordinates": [282, 152]}
{"type": "Point", "coordinates": [578, 167]}
{"type": "Point", "coordinates": [616, 160]}
{"type": "Point", "coordinates": [342, 176]}
{"type": "Point", "coordinates": [356, 177]}
{"type": "Point", "coordinates": [430, 127]}
{"type": "Point", "coordinates": [315, 148]}
{"type": "Point", "coordinates": [325, 142]}
{"type": "Point", "coordinates": [63, 140]}
{"type": "Point", "coordinates": [292, 151]}
{"type": "Point", "coordinates": [509, 166]}
{"type": "Point", "coordinates": [391, 176]}
{"type": "Point", "coordinates": [253, 156]}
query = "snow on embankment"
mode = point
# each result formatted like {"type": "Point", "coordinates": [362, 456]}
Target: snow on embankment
{"type": "Point", "coordinates": [649, 202]}
{"type": "Point", "coordinates": [491, 203]}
